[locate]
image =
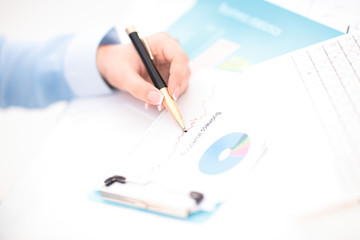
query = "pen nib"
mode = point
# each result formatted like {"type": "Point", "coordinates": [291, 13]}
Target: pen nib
{"type": "Point", "coordinates": [181, 124]}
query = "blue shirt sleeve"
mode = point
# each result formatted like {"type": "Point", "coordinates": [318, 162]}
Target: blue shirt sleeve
{"type": "Point", "coordinates": [35, 75]}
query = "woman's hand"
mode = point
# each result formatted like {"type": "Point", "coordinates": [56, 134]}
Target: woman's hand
{"type": "Point", "coordinates": [122, 68]}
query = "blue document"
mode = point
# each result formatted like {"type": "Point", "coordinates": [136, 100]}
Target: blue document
{"type": "Point", "coordinates": [261, 30]}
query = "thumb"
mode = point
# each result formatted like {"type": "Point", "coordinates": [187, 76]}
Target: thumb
{"type": "Point", "coordinates": [143, 90]}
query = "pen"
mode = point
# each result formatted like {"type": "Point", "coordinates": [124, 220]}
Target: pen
{"type": "Point", "coordinates": [147, 59]}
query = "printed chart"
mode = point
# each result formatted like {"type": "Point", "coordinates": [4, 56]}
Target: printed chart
{"type": "Point", "coordinates": [225, 153]}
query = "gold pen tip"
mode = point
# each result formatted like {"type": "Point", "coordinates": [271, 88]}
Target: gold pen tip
{"type": "Point", "coordinates": [182, 125]}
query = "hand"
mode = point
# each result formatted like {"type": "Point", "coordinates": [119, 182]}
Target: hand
{"type": "Point", "coordinates": [122, 68]}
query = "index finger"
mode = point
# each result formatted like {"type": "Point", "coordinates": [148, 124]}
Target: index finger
{"type": "Point", "coordinates": [167, 49]}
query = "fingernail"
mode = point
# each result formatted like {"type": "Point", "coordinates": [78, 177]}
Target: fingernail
{"type": "Point", "coordinates": [155, 98]}
{"type": "Point", "coordinates": [176, 93]}
{"type": "Point", "coordinates": [160, 108]}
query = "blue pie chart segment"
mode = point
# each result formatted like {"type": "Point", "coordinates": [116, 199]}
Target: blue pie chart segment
{"type": "Point", "coordinates": [225, 153]}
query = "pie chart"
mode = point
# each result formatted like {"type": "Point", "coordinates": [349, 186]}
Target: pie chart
{"type": "Point", "coordinates": [225, 153]}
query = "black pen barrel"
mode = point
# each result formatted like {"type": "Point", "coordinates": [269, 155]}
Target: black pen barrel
{"type": "Point", "coordinates": [145, 57]}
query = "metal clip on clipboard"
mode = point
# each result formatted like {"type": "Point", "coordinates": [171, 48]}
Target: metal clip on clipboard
{"type": "Point", "coordinates": [151, 196]}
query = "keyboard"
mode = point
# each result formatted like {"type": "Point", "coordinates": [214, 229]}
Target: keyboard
{"type": "Point", "coordinates": [331, 74]}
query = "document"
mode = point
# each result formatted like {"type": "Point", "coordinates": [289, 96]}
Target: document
{"type": "Point", "coordinates": [221, 145]}
{"type": "Point", "coordinates": [243, 33]}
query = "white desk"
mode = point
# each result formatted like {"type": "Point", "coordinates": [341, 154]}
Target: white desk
{"type": "Point", "coordinates": [58, 207]}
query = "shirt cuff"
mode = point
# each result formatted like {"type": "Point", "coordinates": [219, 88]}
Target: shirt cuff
{"type": "Point", "coordinates": [81, 71]}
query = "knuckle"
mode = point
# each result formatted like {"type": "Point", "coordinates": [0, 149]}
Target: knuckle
{"type": "Point", "coordinates": [164, 34]}
{"type": "Point", "coordinates": [186, 58]}
{"type": "Point", "coordinates": [176, 40]}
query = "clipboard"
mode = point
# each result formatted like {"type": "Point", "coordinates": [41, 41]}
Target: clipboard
{"type": "Point", "coordinates": [151, 196]}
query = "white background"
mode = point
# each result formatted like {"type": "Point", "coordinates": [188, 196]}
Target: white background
{"type": "Point", "coordinates": [23, 132]}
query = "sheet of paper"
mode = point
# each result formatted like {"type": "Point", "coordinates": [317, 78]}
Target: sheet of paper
{"type": "Point", "coordinates": [337, 14]}
{"type": "Point", "coordinates": [221, 145]}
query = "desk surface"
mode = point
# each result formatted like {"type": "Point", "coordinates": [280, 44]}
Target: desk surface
{"type": "Point", "coordinates": [24, 133]}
